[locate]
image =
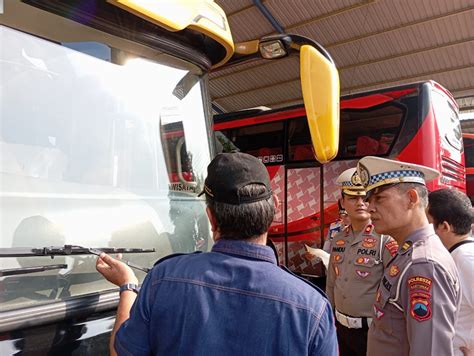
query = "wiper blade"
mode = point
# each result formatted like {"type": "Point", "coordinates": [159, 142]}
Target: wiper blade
{"type": "Point", "coordinates": [26, 270]}
{"type": "Point", "coordinates": [66, 250]}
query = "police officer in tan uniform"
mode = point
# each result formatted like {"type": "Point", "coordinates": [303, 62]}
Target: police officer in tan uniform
{"type": "Point", "coordinates": [357, 260]}
{"type": "Point", "coordinates": [416, 302]}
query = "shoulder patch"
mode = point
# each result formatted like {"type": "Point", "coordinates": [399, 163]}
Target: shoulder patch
{"type": "Point", "coordinates": [419, 288]}
{"type": "Point", "coordinates": [420, 306]}
{"type": "Point", "coordinates": [420, 283]}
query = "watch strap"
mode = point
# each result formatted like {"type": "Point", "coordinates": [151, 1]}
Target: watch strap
{"type": "Point", "coordinates": [129, 286]}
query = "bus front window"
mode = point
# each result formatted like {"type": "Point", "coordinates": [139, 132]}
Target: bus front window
{"type": "Point", "coordinates": [85, 154]}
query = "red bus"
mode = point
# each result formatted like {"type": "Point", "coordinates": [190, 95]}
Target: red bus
{"type": "Point", "coordinates": [468, 139]}
{"type": "Point", "coordinates": [417, 123]}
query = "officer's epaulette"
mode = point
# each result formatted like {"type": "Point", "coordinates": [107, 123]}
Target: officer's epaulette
{"type": "Point", "coordinates": [306, 281]}
{"type": "Point", "coordinates": [174, 255]}
{"type": "Point", "coordinates": [368, 229]}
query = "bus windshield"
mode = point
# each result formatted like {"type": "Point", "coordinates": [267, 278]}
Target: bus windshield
{"type": "Point", "coordinates": [87, 155]}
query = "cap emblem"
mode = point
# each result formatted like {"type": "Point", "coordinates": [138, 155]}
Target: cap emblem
{"type": "Point", "coordinates": [363, 175]}
{"type": "Point", "coordinates": [355, 179]}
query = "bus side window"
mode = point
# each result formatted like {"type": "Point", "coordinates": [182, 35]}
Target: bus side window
{"type": "Point", "coordinates": [299, 139]}
{"type": "Point", "coordinates": [384, 143]}
{"type": "Point", "coordinates": [366, 146]}
{"type": "Point", "coordinates": [303, 153]}
{"type": "Point", "coordinates": [264, 141]}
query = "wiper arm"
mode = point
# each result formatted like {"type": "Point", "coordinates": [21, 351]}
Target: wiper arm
{"type": "Point", "coordinates": [97, 252]}
{"type": "Point", "coordinates": [66, 250]}
{"type": "Point", "coordinates": [26, 270]}
{"type": "Point", "coordinates": [140, 268]}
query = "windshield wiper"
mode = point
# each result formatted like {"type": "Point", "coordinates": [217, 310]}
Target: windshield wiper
{"type": "Point", "coordinates": [66, 250]}
{"type": "Point", "coordinates": [135, 266]}
{"type": "Point", "coordinates": [26, 270]}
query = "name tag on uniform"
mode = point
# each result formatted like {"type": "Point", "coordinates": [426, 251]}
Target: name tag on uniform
{"type": "Point", "coordinates": [365, 251]}
{"type": "Point", "coordinates": [386, 283]}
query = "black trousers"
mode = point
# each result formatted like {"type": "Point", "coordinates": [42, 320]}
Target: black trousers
{"type": "Point", "coordinates": [352, 342]}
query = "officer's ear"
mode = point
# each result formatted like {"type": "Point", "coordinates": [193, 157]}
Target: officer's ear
{"type": "Point", "coordinates": [414, 198]}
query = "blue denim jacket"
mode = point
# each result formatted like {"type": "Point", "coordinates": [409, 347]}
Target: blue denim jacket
{"type": "Point", "coordinates": [234, 300]}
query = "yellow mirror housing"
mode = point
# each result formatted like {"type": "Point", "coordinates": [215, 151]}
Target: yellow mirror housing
{"type": "Point", "coordinates": [320, 87]}
{"type": "Point", "coordinates": [203, 16]}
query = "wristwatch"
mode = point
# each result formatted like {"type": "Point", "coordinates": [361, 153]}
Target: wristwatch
{"type": "Point", "coordinates": [130, 286]}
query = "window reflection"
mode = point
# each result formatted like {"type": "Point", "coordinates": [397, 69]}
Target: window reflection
{"type": "Point", "coordinates": [89, 157]}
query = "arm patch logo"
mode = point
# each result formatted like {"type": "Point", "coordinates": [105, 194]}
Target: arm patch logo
{"type": "Point", "coordinates": [420, 306]}
{"type": "Point", "coordinates": [420, 297]}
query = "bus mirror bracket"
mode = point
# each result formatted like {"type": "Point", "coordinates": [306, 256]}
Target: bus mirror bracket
{"type": "Point", "coordinates": [319, 84]}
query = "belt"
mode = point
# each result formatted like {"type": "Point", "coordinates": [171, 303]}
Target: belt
{"type": "Point", "coordinates": [351, 322]}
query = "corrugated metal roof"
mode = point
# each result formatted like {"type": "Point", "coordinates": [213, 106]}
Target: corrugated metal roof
{"type": "Point", "coordinates": [374, 44]}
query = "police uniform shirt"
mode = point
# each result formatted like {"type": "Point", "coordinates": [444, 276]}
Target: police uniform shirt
{"type": "Point", "coordinates": [356, 266]}
{"type": "Point", "coordinates": [415, 307]}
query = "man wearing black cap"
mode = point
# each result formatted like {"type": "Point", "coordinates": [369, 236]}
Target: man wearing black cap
{"type": "Point", "coordinates": [234, 300]}
{"type": "Point", "coordinates": [418, 297]}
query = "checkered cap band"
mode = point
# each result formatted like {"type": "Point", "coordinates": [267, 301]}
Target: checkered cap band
{"type": "Point", "coordinates": [395, 174]}
{"type": "Point", "coordinates": [346, 184]}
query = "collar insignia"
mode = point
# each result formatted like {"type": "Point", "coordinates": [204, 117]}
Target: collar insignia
{"type": "Point", "coordinates": [406, 246]}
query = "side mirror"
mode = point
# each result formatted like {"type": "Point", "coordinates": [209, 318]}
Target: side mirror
{"type": "Point", "coordinates": [319, 84]}
{"type": "Point", "coordinates": [321, 92]}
